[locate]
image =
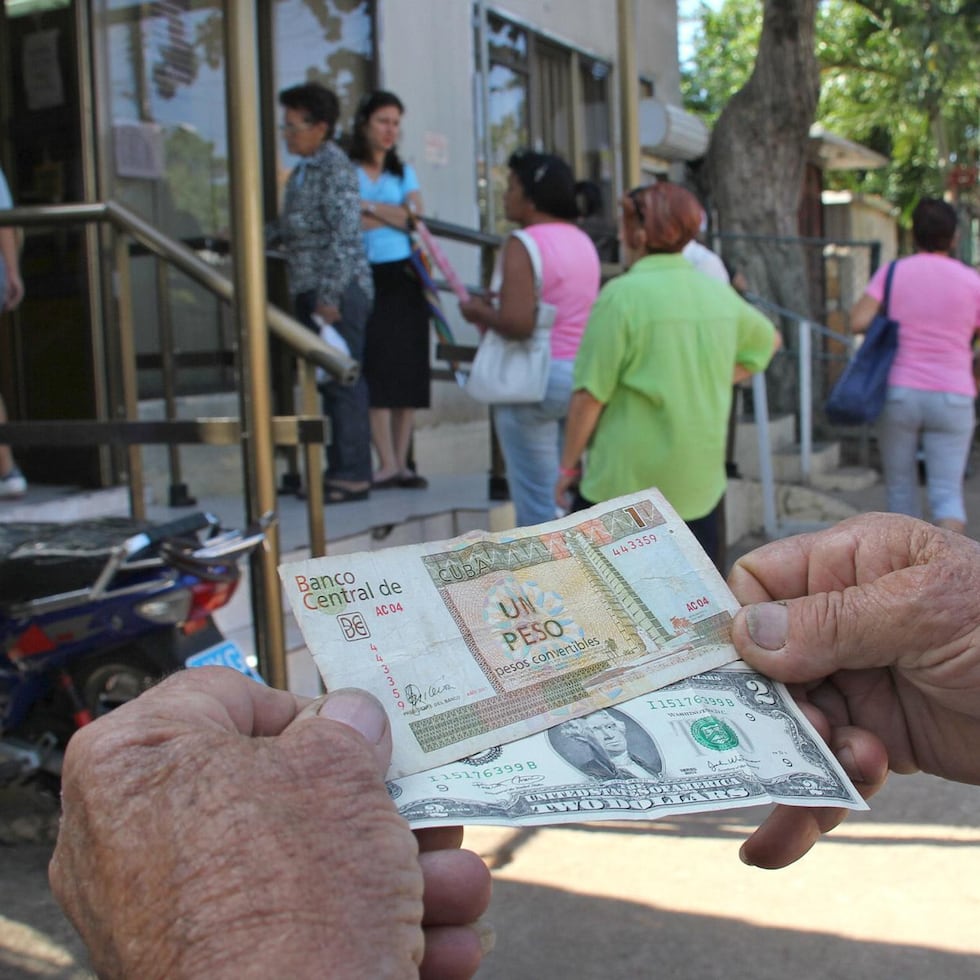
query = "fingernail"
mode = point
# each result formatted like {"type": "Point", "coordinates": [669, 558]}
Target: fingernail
{"type": "Point", "coordinates": [743, 857]}
{"type": "Point", "coordinates": [845, 756]}
{"type": "Point", "coordinates": [768, 623]}
{"type": "Point", "coordinates": [487, 935]}
{"type": "Point", "coordinates": [356, 709]}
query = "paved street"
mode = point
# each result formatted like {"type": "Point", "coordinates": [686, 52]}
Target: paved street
{"type": "Point", "coordinates": [894, 893]}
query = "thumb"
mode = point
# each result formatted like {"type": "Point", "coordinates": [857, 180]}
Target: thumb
{"type": "Point", "coordinates": [358, 710]}
{"type": "Point", "coordinates": [809, 638]}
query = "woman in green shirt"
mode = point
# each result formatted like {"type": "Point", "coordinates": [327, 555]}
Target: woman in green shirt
{"type": "Point", "coordinates": [653, 376]}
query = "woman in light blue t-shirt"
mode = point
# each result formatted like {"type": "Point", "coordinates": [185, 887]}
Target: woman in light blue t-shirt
{"type": "Point", "coordinates": [396, 356]}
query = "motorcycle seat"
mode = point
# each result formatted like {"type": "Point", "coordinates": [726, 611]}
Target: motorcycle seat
{"type": "Point", "coordinates": [40, 559]}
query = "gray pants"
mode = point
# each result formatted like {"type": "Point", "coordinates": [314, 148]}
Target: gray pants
{"type": "Point", "coordinates": [945, 423]}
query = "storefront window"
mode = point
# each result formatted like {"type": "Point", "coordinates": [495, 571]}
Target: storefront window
{"type": "Point", "coordinates": [532, 102]}
{"type": "Point", "coordinates": [508, 107]}
{"type": "Point", "coordinates": [166, 79]}
{"type": "Point", "coordinates": [597, 153]}
{"type": "Point", "coordinates": [327, 42]}
{"type": "Point", "coordinates": [167, 103]}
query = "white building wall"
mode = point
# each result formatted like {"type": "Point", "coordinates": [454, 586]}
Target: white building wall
{"type": "Point", "coordinates": [656, 47]}
{"type": "Point", "coordinates": [586, 24]}
{"type": "Point", "coordinates": [427, 57]}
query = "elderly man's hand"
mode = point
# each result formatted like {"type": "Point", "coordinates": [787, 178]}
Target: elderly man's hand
{"type": "Point", "coordinates": [877, 631]}
{"type": "Point", "coordinates": [217, 828]}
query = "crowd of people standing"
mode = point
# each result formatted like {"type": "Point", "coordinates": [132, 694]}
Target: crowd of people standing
{"type": "Point", "coordinates": [641, 374]}
{"type": "Point", "coordinates": [639, 389]}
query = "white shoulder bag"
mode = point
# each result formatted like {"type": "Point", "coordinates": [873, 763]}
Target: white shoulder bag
{"type": "Point", "coordinates": [515, 371]}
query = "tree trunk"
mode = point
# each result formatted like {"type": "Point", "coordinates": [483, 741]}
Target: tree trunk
{"type": "Point", "coordinates": [756, 160]}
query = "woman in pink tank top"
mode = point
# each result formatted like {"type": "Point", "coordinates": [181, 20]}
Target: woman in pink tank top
{"type": "Point", "coordinates": [542, 197]}
{"type": "Point", "coordinates": [931, 388]}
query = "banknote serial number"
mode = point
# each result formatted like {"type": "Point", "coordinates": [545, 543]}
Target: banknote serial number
{"type": "Point", "coordinates": [387, 608]}
{"type": "Point", "coordinates": [704, 700]}
{"type": "Point", "coordinates": [386, 670]}
{"type": "Point", "coordinates": [638, 542]}
{"type": "Point", "coordinates": [507, 769]}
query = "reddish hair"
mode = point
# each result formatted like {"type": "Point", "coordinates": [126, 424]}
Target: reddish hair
{"type": "Point", "coordinates": [669, 214]}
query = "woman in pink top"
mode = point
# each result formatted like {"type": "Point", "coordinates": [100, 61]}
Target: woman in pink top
{"type": "Point", "coordinates": [931, 388]}
{"type": "Point", "coordinates": [542, 197]}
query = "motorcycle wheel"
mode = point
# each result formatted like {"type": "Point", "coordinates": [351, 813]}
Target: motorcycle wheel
{"type": "Point", "coordinates": [106, 682]}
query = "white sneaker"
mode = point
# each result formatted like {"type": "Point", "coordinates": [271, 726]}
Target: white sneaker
{"type": "Point", "coordinates": [13, 484]}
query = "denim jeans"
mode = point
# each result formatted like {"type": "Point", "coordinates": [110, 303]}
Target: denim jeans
{"type": "Point", "coordinates": [530, 439]}
{"type": "Point", "coordinates": [945, 423]}
{"type": "Point", "coordinates": [346, 406]}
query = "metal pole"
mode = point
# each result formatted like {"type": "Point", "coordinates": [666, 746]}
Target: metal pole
{"type": "Point", "coordinates": [127, 361]}
{"type": "Point", "coordinates": [313, 463]}
{"type": "Point", "coordinates": [486, 148]}
{"type": "Point", "coordinates": [629, 93]}
{"type": "Point", "coordinates": [241, 85]}
{"type": "Point", "coordinates": [178, 495]}
{"type": "Point", "coordinates": [760, 405]}
{"type": "Point", "coordinates": [805, 341]}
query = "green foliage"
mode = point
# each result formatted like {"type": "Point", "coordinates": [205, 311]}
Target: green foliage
{"type": "Point", "coordinates": [899, 76]}
{"type": "Point", "coordinates": [725, 43]}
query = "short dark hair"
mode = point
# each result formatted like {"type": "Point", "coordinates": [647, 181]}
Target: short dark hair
{"type": "Point", "coordinates": [933, 225]}
{"type": "Point", "coordinates": [315, 101]}
{"type": "Point", "coordinates": [550, 185]}
{"type": "Point", "coordinates": [367, 107]}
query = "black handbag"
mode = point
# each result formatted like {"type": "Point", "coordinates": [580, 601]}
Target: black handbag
{"type": "Point", "coordinates": [858, 396]}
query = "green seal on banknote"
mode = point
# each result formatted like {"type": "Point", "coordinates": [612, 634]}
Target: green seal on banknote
{"type": "Point", "coordinates": [714, 734]}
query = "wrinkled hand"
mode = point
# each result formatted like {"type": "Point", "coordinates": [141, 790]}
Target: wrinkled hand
{"type": "Point", "coordinates": [879, 638]}
{"type": "Point", "coordinates": [217, 828]}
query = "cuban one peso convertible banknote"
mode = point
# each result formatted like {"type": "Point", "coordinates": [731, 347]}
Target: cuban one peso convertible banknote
{"type": "Point", "coordinates": [726, 738]}
{"type": "Point", "coordinates": [487, 638]}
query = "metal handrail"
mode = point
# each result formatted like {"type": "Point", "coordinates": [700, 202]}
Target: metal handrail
{"type": "Point", "coordinates": [303, 342]}
{"type": "Point", "coordinates": [806, 328]}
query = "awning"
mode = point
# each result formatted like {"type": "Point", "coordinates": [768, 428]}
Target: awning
{"type": "Point", "coordinates": [833, 152]}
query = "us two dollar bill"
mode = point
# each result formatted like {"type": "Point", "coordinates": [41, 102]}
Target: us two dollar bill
{"type": "Point", "coordinates": [726, 738]}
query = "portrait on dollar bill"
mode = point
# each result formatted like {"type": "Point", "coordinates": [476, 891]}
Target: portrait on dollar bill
{"type": "Point", "coordinates": [607, 744]}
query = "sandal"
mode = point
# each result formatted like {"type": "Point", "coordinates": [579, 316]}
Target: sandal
{"type": "Point", "coordinates": [335, 494]}
{"type": "Point", "coordinates": [388, 482]}
{"type": "Point", "coordinates": [412, 481]}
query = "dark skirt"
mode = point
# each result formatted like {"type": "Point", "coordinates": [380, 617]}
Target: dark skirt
{"type": "Point", "coordinates": [396, 354]}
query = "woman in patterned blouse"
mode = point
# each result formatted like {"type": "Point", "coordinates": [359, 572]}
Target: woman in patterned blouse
{"type": "Point", "coordinates": [329, 277]}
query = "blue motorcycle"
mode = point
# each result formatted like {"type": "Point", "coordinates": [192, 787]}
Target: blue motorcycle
{"type": "Point", "coordinates": [92, 613]}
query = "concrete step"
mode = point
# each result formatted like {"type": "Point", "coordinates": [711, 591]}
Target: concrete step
{"type": "Point", "coordinates": [845, 479]}
{"type": "Point", "coordinates": [782, 432]}
{"type": "Point", "coordinates": [798, 508]}
{"type": "Point", "coordinates": [787, 462]}
{"type": "Point", "coordinates": [50, 503]}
